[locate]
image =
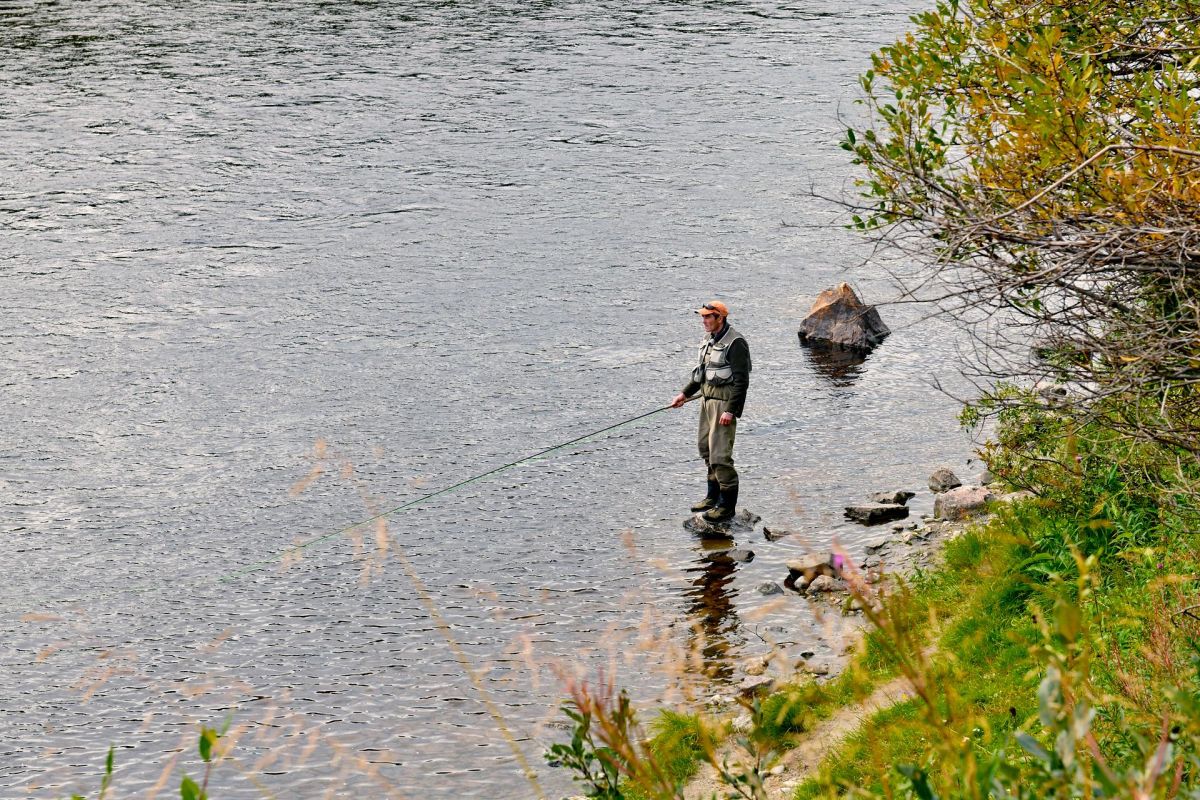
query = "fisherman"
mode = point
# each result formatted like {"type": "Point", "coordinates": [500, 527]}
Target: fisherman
{"type": "Point", "coordinates": [722, 377]}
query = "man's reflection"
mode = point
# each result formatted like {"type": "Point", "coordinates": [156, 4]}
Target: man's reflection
{"type": "Point", "coordinates": [710, 605]}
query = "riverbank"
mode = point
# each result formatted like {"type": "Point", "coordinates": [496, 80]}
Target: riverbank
{"type": "Point", "coordinates": [1053, 644]}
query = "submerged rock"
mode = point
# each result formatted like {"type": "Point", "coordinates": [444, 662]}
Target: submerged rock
{"type": "Point", "coordinates": [775, 535]}
{"type": "Point", "coordinates": [838, 317]}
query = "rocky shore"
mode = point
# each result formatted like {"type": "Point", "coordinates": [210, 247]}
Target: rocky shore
{"type": "Point", "coordinates": [825, 578]}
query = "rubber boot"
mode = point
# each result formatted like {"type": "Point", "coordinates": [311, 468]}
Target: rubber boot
{"type": "Point", "coordinates": [726, 506]}
{"type": "Point", "coordinates": [714, 494]}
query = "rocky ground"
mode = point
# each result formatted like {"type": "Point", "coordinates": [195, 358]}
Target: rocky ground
{"type": "Point", "coordinates": [901, 548]}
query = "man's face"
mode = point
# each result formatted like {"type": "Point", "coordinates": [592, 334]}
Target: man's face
{"type": "Point", "coordinates": [712, 322]}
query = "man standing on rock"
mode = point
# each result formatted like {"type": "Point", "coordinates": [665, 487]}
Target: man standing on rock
{"type": "Point", "coordinates": [722, 377]}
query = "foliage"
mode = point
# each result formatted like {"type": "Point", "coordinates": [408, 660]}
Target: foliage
{"type": "Point", "coordinates": [210, 752]}
{"type": "Point", "coordinates": [1088, 588]}
{"type": "Point", "coordinates": [1050, 153]}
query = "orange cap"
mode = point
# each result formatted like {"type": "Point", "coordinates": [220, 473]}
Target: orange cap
{"type": "Point", "coordinates": [713, 307]}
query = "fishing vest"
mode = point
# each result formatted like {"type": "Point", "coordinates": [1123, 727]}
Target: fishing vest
{"type": "Point", "coordinates": [714, 373]}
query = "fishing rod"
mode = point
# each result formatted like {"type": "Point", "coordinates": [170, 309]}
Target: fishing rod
{"type": "Point", "coordinates": [258, 565]}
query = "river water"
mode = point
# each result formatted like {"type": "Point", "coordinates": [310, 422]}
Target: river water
{"type": "Point", "coordinates": [269, 269]}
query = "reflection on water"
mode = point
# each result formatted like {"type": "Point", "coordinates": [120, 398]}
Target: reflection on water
{"type": "Point", "coordinates": [710, 605]}
{"type": "Point", "coordinates": [841, 366]}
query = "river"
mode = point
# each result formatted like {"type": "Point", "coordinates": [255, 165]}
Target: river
{"type": "Point", "coordinates": [270, 269]}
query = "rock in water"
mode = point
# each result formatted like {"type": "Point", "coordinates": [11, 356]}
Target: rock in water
{"type": "Point", "coordinates": [743, 522]}
{"type": "Point", "coordinates": [838, 317]}
{"type": "Point", "coordinates": [943, 479]}
{"type": "Point", "coordinates": [803, 571]}
{"type": "Point", "coordinates": [874, 513]}
{"type": "Point", "coordinates": [895, 498]}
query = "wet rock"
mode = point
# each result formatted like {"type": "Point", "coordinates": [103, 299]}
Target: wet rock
{"type": "Point", "coordinates": [756, 683]}
{"type": "Point", "coordinates": [874, 513]}
{"type": "Point", "coordinates": [875, 545]}
{"type": "Point", "coordinates": [802, 571]}
{"type": "Point", "coordinates": [943, 479]}
{"type": "Point", "coordinates": [743, 522]}
{"type": "Point", "coordinates": [769, 588]}
{"type": "Point", "coordinates": [810, 668]}
{"type": "Point", "coordinates": [963, 502]}
{"type": "Point", "coordinates": [755, 667]}
{"type": "Point", "coordinates": [892, 498]}
{"type": "Point", "coordinates": [825, 583]}
{"type": "Point", "coordinates": [838, 317]}
{"type": "Point", "coordinates": [741, 555]}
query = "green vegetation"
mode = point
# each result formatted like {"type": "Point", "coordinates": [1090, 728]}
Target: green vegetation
{"type": "Point", "coordinates": [210, 749]}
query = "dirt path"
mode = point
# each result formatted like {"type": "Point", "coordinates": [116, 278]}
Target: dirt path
{"type": "Point", "coordinates": [801, 760]}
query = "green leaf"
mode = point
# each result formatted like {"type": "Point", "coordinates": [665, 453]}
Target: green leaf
{"type": "Point", "coordinates": [190, 790]}
{"type": "Point", "coordinates": [1031, 746]}
{"type": "Point", "coordinates": [208, 737]}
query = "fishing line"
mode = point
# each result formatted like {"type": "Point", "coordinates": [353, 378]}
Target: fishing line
{"type": "Point", "coordinates": [296, 549]}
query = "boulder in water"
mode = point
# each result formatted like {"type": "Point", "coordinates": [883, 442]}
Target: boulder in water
{"type": "Point", "coordinates": [874, 513]}
{"type": "Point", "coordinates": [943, 479]}
{"type": "Point", "coordinates": [743, 522]}
{"type": "Point", "coordinates": [839, 318]}
{"type": "Point", "coordinates": [894, 498]}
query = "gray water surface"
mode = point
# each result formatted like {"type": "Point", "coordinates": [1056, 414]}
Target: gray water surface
{"type": "Point", "coordinates": [269, 269]}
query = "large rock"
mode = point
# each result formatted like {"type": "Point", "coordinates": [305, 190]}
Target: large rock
{"type": "Point", "coordinates": [874, 513]}
{"type": "Point", "coordinates": [961, 503]}
{"type": "Point", "coordinates": [743, 522]}
{"type": "Point", "coordinates": [943, 479]}
{"type": "Point", "coordinates": [838, 317]}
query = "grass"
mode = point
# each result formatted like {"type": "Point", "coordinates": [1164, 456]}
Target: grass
{"type": "Point", "coordinates": [988, 616]}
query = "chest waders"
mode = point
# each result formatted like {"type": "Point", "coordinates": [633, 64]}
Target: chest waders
{"type": "Point", "coordinates": [714, 373]}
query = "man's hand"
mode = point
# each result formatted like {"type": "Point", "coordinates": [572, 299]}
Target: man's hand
{"type": "Point", "coordinates": [726, 419]}
{"type": "Point", "coordinates": [679, 400]}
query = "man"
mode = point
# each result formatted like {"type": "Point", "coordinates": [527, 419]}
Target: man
{"type": "Point", "coordinates": [722, 377]}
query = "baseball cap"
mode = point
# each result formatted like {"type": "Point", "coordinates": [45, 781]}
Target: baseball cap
{"type": "Point", "coordinates": [713, 307]}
